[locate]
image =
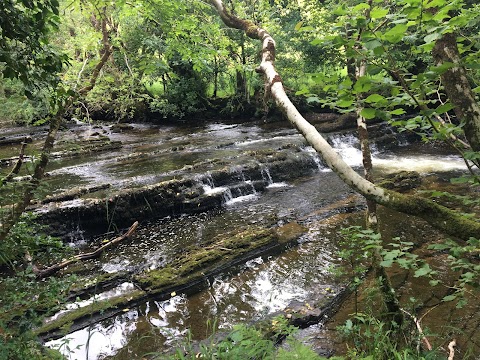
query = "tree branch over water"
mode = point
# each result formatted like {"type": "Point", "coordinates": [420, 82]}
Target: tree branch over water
{"type": "Point", "coordinates": [442, 218]}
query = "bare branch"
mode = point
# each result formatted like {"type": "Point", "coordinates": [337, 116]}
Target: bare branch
{"type": "Point", "coordinates": [43, 273]}
{"type": "Point", "coordinates": [18, 165]}
{"type": "Point", "coordinates": [451, 349]}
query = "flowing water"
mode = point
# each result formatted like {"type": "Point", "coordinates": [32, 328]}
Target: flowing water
{"type": "Point", "coordinates": [250, 291]}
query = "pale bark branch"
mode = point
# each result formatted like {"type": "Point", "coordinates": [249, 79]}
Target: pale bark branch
{"type": "Point", "coordinates": [420, 330]}
{"type": "Point", "coordinates": [438, 216]}
{"type": "Point", "coordinates": [451, 349]}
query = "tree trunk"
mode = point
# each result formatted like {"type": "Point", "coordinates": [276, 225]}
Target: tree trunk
{"type": "Point", "coordinates": [55, 123]}
{"type": "Point", "coordinates": [438, 216]}
{"type": "Point", "coordinates": [458, 89]}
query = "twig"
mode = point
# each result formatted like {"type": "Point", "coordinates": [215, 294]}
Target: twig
{"type": "Point", "coordinates": [451, 348]}
{"type": "Point", "coordinates": [18, 165]}
{"type": "Point", "coordinates": [420, 331]}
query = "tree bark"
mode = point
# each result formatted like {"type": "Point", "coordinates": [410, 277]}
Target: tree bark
{"type": "Point", "coordinates": [438, 216]}
{"type": "Point", "coordinates": [458, 89]}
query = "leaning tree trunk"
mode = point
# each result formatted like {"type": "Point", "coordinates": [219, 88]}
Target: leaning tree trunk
{"type": "Point", "coordinates": [458, 89]}
{"type": "Point", "coordinates": [55, 123]}
{"type": "Point", "coordinates": [438, 216]}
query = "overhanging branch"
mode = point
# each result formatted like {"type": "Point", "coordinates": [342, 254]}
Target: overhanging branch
{"type": "Point", "coordinates": [438, 216]}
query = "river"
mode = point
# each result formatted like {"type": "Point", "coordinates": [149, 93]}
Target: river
{"type": "Point", "coordinates": [250, 291]}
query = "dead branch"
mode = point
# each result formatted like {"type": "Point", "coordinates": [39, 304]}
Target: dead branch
{"type": "Point", "coordinates": [451, 348]}
{"type": "Point", "coordinates": [420, 331]}
{"type": "Point", "coordinates": [18, 165]}
{"type": "Point", "coordinates": [43, 273]}
{"type": "Point", "coordinates": [75, 193]}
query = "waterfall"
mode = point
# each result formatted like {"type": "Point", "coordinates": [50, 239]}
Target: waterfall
{"type": "Point", "coordinates": [231, 194]}
{"type": "Point", "coordinates": [315, 157]}
{"type": "Point", "coordinates": [268, 179]}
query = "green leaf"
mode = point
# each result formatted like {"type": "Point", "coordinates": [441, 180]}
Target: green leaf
{"type": "Point", "coordinates": [345, 103]}
{"type": "Point", "coordinates": [397, 112]}
{"type": "Point", "coordinates": [374, 98]}
{"type": "Point", "coordinates": [386, 263]}
{"type": "Point", "coordinates": [432, 37]}
{"type": "Point", "coordinates": [298, 26]}
{"type": "Point", "coordinates": [377, 13]}
{"type": "Point", "coordinates": [340, 11]}
{"type": "Point", "coordinates": [444, 108]}
{"type": "Point", "coordinates": [368, 113]}
{"type": "Point", "coordinates": [395, 34]}
{"type": "Point", "coordinates": [424, 270]}
{"type": "Point", "coordinates": [440, 247]}
{"type": "Point", "coordinates": [449, 297]}
{"type": "Point", "coordinates": [363, 84]}
{"type": "Point", "coordinates": [361, 6]}
{"type": "Point", "coordinates": [372, 44]}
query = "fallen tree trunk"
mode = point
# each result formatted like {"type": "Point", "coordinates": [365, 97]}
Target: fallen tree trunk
{"type": "Point", "coordinates": [438, 216]}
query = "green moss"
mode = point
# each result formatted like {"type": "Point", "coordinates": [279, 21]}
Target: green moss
{"type": "Point", "coordinates": [157, 278]}
{"type": "Point", "coordinates": [190, 266]}
{"type": "Point", "coordinates": [66, 320]}
{"type": "Point", "coordinates": [96, 281]}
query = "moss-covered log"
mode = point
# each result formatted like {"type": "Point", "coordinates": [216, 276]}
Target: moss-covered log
{"type": "Point", "coordinates": [188, 273]}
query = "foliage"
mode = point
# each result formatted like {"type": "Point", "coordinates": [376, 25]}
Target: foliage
{"type": "Point", "coordinates": [396, 40]}
{"type": "Point", "coordinates": [373, 339]}
{"type": "Point", "coordinates": [367, 333]}
{"type": "Point", "coordinates": [17, 108]}
{"type": "Point", "coordinates": [464, 260]}
{"type": "Point", "coordinates": [25, 301]}
{"type": "Point", "coordinates": [24, 48]}
{"type": "Point", "coordinates": [247, 342]}
{"type": "Point", "coordinates": [356, 249]}
{"type": "Point", "coordinates": [27, 236]}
